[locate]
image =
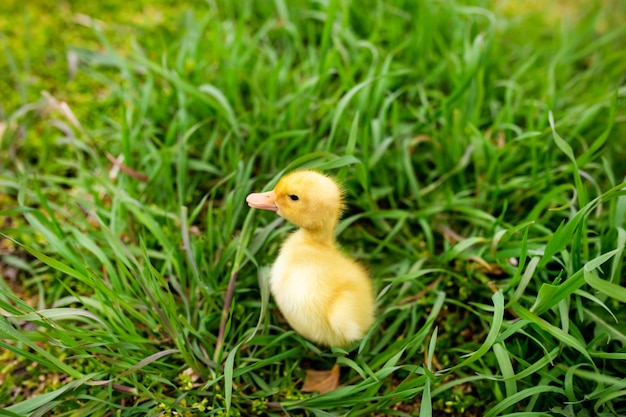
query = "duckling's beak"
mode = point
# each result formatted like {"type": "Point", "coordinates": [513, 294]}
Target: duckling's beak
{"type": "Point", "coordinates": [263, 201]}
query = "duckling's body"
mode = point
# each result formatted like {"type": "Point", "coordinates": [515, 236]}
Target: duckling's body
{"type": "Point", "coordinates": [324, 295]}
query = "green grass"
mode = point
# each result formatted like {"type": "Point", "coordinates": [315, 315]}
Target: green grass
{"type": "Point", "coordinates": [482, 149]}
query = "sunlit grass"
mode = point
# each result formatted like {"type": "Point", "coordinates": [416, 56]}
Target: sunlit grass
{"type": "Point", "coordinates": [482, 154]}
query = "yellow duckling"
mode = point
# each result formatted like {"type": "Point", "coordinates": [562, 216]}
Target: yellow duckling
{"type": "Point", "coordinates": [324, 295]}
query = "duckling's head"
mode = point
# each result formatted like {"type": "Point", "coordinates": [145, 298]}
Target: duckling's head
{"type": "Point", "coordinates": [306, 198]}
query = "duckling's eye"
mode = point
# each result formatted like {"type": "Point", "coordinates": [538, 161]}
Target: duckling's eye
{"type": "Point", "coordinates": [294, 197]}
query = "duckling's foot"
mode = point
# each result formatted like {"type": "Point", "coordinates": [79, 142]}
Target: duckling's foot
{"type": "Point", "coordinates": [321, 381]}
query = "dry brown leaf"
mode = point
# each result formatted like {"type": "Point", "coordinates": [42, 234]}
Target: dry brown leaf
{"type": "Point", "coordinates": [450, 235]}
{"type": "Point", "coordinates": [422, 293]}
{"type": "Point", "coordinates": [119, 165]}
{"type": "Point", "coordinates": [492, 269]}
{"type": "Point", "coordinates": [321, 381]}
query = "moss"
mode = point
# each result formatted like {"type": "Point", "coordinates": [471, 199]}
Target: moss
{"type": "Point", "coordinates": [43, 42]}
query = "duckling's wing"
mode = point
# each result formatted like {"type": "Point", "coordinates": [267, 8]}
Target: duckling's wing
{"type": "Point", "coordinates": [351, 312]}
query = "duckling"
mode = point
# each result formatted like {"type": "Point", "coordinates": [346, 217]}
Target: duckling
{"type": "Point", "coordinates": [323, 294]}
